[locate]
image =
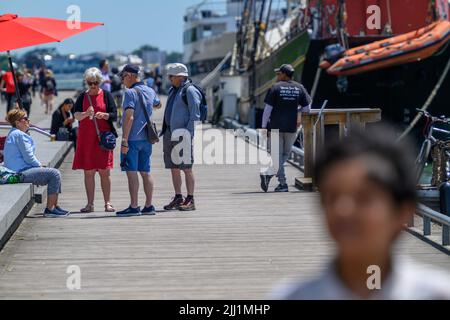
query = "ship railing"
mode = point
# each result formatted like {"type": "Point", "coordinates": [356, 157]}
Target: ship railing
{"type": "Point", "coordinates": [215, 74]}
{"type": "Point", "coordinates": [6, 126]}
{"type": "Point", "coordinates": [430, 218]}
{"type": "Point", "coordinates": [254, 138]}
{"type": "Point", "coordinates": [206, 9]}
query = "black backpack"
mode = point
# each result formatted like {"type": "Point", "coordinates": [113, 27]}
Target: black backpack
{"type": "Point", "coordinates": [203, 104]}
{"type": "Point", "coordinates": [49, 85]}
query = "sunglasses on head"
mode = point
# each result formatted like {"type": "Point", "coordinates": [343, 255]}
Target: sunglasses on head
{"type": "Point", "coordinates": [96, 83]}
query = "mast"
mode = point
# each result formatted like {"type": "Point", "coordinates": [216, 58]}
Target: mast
{"type": "Point", "coordinates": [243, 32]}
{"type": "Point", "coordinates": [257, 31]}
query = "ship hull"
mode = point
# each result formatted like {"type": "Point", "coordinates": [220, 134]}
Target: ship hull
{"type": "Point", "coordinates": [398, 91]}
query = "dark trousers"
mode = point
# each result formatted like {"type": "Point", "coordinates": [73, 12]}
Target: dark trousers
{"type": "Point", "coordinates": [10, 100]}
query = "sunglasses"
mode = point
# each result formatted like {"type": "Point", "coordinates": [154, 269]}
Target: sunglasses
{"type": "Point", "coordinates": [93, 83]}
{"type": "Point", "coordinates": [25, 119]}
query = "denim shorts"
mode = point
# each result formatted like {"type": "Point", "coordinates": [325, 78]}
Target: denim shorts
{"type": "Point", "coordinates": [138, 158]}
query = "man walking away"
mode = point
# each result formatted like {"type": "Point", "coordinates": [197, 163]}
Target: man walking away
{"type": "Point", "coordinates": [180, 116]}
{"type": "Point", "coordinates": [136, 150]}
{"type": "Point", "coordinates": [283, 102]}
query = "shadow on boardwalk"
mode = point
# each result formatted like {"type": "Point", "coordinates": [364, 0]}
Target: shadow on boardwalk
{"type": "Point", "coordinates": [237, 245]}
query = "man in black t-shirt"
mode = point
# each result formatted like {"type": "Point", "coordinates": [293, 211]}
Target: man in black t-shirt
{"type": "Point", "coordinates": [283, 102]}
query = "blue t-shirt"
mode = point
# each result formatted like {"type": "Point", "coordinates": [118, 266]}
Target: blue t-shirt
{"type": "Point", "coordinates": [150, 82]}
{"type": "Point", "coordinates": [132, 100]}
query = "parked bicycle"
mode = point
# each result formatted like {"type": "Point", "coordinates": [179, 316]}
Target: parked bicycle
{"type": "Point", "coordinates": [439, 150]}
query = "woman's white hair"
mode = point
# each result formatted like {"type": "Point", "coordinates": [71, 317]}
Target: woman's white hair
{"type": "Point", "coordinates": [93, 74]}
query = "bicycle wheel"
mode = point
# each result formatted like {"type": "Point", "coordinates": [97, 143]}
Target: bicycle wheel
{"type": "Point", "coordinates": [422, 159]}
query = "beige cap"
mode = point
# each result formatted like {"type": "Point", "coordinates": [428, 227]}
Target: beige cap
{"type": "Point", "coordinates": [177, 69]}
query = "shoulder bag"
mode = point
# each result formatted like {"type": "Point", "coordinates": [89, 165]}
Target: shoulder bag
{"type": "Point", "coordinates": [107, 140]}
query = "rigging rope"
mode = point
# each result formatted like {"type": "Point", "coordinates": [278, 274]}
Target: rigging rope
{"type": "Point", "coordinates": [428, 102]}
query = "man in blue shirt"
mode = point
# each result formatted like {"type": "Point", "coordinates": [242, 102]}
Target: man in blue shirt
{"type": "Point", "coordinates": [136, 150]}
{"type": "Point", "coordinates": [178, 131]}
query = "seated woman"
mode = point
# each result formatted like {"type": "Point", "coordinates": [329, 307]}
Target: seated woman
{"type": "Point", "coordinates": [62, 119]}
{"type": "Point", "coordinates": [20, 157]}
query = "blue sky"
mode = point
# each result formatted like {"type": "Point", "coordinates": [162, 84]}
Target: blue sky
{"type": "Point", "coordinates": [127, 27]}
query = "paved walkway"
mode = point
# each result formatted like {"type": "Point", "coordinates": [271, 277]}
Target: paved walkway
{"type": "Point", "coordinates": [237, 245]}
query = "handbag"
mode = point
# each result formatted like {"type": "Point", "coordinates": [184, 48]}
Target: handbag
{"type": "Point", "coordinates": [107, 140]}
{"type": "Point", "coordinates": [152, 131]}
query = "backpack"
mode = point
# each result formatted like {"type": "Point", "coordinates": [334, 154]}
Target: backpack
{"type": "Point", "coordinates": [49, 85]}
{"type": "Point", "coordinates": [203, 104]}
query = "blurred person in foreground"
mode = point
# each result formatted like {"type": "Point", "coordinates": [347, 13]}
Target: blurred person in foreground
{"type": "Point", "coordinates": [368, 195]}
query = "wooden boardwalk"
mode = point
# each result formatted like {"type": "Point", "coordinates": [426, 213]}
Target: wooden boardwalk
{"type": "Point", "coordinates": [238, 245]}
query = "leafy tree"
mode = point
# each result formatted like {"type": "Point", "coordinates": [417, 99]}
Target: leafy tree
{"type": "Point", "coordinates": [173, 57]}
{"type": "Point", "coordinates": [143, 48]}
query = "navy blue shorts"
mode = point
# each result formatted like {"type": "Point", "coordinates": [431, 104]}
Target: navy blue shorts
{"type": "Point", "coordinates": [138, 158]}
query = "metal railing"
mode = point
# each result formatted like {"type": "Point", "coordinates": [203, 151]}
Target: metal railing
{"type": "Point", "coordinates": [7, 126]}
{"type": "Point", "coordinates": [430, 216]}
{"type": "Point", "coordinates": [254, 138]}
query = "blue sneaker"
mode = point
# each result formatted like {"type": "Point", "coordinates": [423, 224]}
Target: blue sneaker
{"type": "Point", "coordinates": [55, 213]}
{"type": "Point", "coordinates": [129, 212]}
{"type": "Point", "coordinates": [149, 211]}
{"type": "Point", "coordinates": [61, 209]}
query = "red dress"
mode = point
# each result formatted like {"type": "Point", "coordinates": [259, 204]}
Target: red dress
{"type": "Point", "coordinates": [89, 155]}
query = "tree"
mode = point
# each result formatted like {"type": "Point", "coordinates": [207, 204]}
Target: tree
{"type": "Point", "coordinates": [143, 48]}
{"type": "Point", "coordinates": [173, 57]}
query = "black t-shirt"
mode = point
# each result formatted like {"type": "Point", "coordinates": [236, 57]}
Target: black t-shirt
{"type": "Point", "coordinates": [286, 97]}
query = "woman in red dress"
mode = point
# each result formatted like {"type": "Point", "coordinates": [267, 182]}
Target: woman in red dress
{"type": "Point", "coordinates": [89, 156]}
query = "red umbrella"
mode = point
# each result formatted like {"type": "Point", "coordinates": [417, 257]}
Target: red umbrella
{"type": "Point", "coordinates": [17, 32]}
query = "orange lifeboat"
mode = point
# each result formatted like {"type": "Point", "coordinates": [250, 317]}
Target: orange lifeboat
{"type": "Point", "coordinates": [405, 48]}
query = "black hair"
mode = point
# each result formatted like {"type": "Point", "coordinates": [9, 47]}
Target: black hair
{"type": "Point", "coordinates": [102, 63]}
{"type": "Point", "coordinates": [67, 101]}
{"type": "Point", "coordinates": [389, 163]}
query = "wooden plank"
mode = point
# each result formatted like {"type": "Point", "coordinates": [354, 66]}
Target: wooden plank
{"type": "Point", "coordinates": [239, 244]}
